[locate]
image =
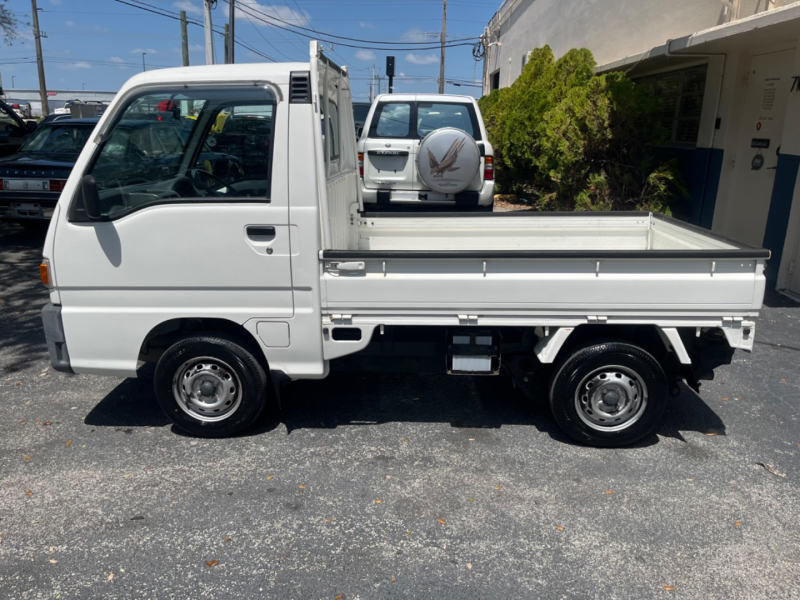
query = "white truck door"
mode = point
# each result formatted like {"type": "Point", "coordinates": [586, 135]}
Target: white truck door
{"type": "Point", "coordinates": [191, 220]}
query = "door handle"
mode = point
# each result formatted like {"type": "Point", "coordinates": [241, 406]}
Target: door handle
{"type": "Point", "coordinates": [261, 233]}
{"type": "Point", "coordinates": [350, 266]}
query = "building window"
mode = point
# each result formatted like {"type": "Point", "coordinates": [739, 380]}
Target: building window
{"type": "Point", "coordinates": [680, 97]}
{"type": "Point", "coordinates": [495, 81]}
{"type": "Point", "coordinates": [524, 61]}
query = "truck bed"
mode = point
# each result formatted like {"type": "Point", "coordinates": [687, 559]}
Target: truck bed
{"type": "Point", "coordinates": [546, 264]}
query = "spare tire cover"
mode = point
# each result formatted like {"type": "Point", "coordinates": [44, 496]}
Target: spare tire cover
{"type": "Point", "coordinates": [448, 160]}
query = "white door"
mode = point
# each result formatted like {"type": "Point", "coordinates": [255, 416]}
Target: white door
{"type": "Point", "coordinates": [193, 222]}
{"type": "Point", "coordinates": [757, 150]}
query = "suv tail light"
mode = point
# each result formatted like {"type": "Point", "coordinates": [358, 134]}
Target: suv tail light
{"type": "Point", "coordinates": [57, 185]}
{"type": "Point", "coordinates": [488, 168]}
{"type": "Point", "coordinates": [361, 165]}
{"type": "Point", "coordinates": [1, 184]}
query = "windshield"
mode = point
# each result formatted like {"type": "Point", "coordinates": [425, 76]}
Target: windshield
{"type": "Point", "coordinates": [60, 139]}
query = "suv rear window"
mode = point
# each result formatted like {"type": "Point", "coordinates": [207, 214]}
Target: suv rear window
{"type": "Point", "coordinates": [435, 115]}
{"type": "Point", "coordinates": [393, 119]}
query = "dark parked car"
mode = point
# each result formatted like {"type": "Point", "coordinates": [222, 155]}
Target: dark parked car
{"type": "Point", "coordinates": [360, 112]}
{"type": "Point", "coordinates": [32, 179]}
{"type": "Point", "coordinates": [13, 130]}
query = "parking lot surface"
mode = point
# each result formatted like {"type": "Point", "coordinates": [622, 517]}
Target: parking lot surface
{"type": "Point", "coordinates": [390, 486]}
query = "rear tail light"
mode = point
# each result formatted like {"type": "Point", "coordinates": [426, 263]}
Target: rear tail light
{"type": "Point", "coordinates": [1, 184]}
{"type": "Point", "coordinates": [361, 165]}
{"type": "Point", "coordinates": [57, 185]}
{"type": "Point", "coordinates": [488, 168]}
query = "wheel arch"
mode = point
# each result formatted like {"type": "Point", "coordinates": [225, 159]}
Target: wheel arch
{"type": "Point", "coordinates": [166, 333]}
{"type": "Point", "coordinates": [664, 344]}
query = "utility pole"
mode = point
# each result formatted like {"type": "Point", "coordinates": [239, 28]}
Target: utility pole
{"type": "Point", "coordinates": [184, 40]}
{"type": "Point", "coordinates": [444, 36]}
{"type": "Point", "coordinates": [37, 35]}
{"type": "Point", "coordinates": [231, 36]}
{"type": "Point", "coordinates": [225, 35]}
{"type": "Point", "coordinates": [144, 68]}
{"type": "Point", "coordinates": [371, 85]}
{"type": "Point", "coordinates": [207, 6]}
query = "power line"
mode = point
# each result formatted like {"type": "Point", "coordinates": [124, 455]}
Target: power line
{"type": "Point", "coordinates": [270, 20]}
{"type": "Point", "coordinates": [164, 13]}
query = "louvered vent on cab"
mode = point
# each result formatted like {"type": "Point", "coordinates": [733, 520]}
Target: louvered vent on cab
{"type": "Point", "coordinates": [300, 87]}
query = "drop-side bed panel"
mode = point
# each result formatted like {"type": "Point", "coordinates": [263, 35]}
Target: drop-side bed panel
{"type": "Point", "coordinates": [476, 265]}
{"type": "Point", "coordinates": [543, 284]}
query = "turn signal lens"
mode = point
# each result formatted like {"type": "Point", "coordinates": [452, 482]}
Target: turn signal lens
{"type": "Point", "coordinates": [44, 273]}
{"type": "Point", "coordinates": [488, 168]}
{"type": "Point", "coordinates": [361, 164]}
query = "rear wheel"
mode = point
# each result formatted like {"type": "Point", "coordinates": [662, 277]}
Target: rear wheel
{"type": "Point", "coordinates": [608, 394]}
{"type": "Point", "coordinates": [211, 386]}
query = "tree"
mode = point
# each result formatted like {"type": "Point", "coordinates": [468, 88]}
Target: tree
{"type": "Point", "coordinates": [8, 23]}
{"type": "Point", "coordinates": [568, 139]}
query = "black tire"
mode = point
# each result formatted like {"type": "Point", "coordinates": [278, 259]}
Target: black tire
{"type": "Point", "coordinates": [635, 380]}
{"type": "Point", "coordinates": [235, 380]}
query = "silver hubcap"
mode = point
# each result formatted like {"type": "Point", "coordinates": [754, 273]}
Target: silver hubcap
{"type": "Point", "coordinates": [207, 389]}
{"type": "Point", "coordinates": [611, 398]}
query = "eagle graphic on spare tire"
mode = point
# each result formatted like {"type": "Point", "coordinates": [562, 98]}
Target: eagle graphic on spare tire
{"type": "Point", "coordinates": [438, 169]}
{"type": "Point", "coordinates": [448, 161]}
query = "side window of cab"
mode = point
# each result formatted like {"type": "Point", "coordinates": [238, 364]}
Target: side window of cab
{"type": "Point", "coordinates": [187, 146]}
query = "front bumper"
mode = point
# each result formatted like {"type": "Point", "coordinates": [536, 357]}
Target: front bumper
{"type": "Point", "coordinates": [56, 340]}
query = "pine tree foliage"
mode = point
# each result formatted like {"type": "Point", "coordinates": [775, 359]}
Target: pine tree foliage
{"type": "Point", "coordinates": [567, 139]}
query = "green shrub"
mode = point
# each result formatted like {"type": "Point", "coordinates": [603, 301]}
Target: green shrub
{"type": "Point", "coordinates": [567, 139]}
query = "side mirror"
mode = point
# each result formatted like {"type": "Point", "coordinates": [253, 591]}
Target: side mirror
{"type": "Point", "coordinates": [90, 196]}
{"type": "Point", "coordinates": [359, 131]}
{"type": "Point", "coordinates": [32, 125]}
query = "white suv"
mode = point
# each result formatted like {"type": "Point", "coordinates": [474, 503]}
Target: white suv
{"type": "Point", "coordinates": [426, 149]}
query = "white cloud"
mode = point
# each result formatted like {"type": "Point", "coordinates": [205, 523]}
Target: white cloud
{"type": "Point", "coordinates": [119, 61]}
{"type": "Point", "coordinates": [365, 55]}
{"type": "Point", "coordinates": [415, 34]}
{"type": "Point", "coordinates": [422, 59]}
{"type": "Point", "coordinates": [366, 25]}
{"type": "Point", "coordinates": [69, 23]}
{"type": "Point", "coordinates": [79, 65]}
{"type": "Point", "coordinates": [197, 48]}
{"type": "Point", "coordinates": [261, 14]}
{"type": "Point", "coordinates": [146, 50]}
{"type": "Point", "coordinates": [189, 7]}
{"type": "Point", "coordinates": [55, 2]}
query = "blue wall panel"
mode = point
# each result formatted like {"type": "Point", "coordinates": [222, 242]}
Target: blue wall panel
{"type": "Point", "coordinates": [779, 208]}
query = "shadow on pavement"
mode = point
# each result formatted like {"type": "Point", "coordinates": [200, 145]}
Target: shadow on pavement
{"type": "Point", "coordinates": [22, 299]}
{"type": "Point", "coordinates": [372, 399]}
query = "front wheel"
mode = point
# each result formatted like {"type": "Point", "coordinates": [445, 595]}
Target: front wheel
{"type": "Point", "coordinates": [609, 394]}
{"type": "Point", "coordinates": [210, 386]}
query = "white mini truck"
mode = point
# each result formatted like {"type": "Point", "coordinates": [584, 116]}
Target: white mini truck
{"type": "Point", "coordinates": [241, 259]}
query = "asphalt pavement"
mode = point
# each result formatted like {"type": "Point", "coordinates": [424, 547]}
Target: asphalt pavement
{"type": "Point", "coordinates": [390, 486]}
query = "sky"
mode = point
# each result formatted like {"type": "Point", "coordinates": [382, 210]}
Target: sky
{"type": "Point", "coordinates": [98, 44]}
